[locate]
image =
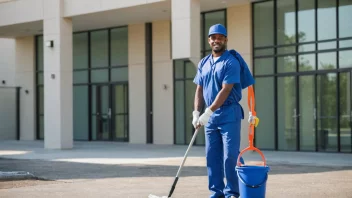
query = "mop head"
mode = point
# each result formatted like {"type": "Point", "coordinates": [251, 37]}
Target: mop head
{"type": "Point", "coordinates": [154, 196]}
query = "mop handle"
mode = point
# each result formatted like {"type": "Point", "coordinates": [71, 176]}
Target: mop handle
{"type": "Point", "coordinates": [183, 162]}
{"type": "Point", "coordinates": [186, 154]}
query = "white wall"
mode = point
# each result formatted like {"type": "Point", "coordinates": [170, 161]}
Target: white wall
{"type": "Point", "coordinates": [7, 62]}
{"type": "Point", "coordinates": [7, 92]}
{"type": "Point", "coordinates": [136, 83]}
{"type": "Point", "coordinates": [33, 10]}
{"type": "Point", "coordinates": [25, 78]}
{"type": "Point", "coordinates": [8, 114]}
{"type": "Point", "coordinates": [186, 30]}
{"type": "Point", "coordinates": [239, 35]}
{"type": "Point", "coordinates": [21, 11]}
{"type": "Point", "coordinates": [78, 7]}
{"type": "Point", "coordinates": [163, 129]}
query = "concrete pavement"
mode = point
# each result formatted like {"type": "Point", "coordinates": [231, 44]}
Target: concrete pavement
{"type": "Point", "coordinates": [108, 169]}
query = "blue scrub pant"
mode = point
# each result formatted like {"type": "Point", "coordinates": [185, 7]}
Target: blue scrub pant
{"type": "Point", "coordinates": [222, 149]}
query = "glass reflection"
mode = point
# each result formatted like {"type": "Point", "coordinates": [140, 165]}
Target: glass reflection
{"type": "Point", "coordinates": [119, 46]}
{"type": "Point", "coordinates": [180, 112]}
{"type": "Point", "coordinates": [326, 19]}
{"type": "Point", "coordinates": [286, 64]}
{"type": "Point", "coordinates": [264, 66]}
{"type": "Point", "coordinates": [80, 112]}
{"type": "Point", "coordinates": [80, 51]}
{"type": "Point", "coordinates": [286, 23]}
{"type": "Point", "coordinates": [263, 24]}
{"type": "Point", "coordinates": [327, 61]}
{"type": "Point", "coordinates": [345, 59]}
{"type": "Point", "coordinates": [265, 133]}
{"type": "Point", "coordinates": [306, 20]}
{"type": "Point", "coordinates": [345, 111]}
{"type": "Point", "coordinates": [306, 110]}
{"type": "Point", "coordinates": [306, 62]}
{"type": "Point", "coordinates": [327, 112]}
{"type": "Point", "coordinates": [287, 113]}
{"type": "Point", "coordinates": [99, 48]}
{"type": "Point", "coordinates": [345, 16]}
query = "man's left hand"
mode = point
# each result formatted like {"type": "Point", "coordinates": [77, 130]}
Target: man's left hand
{"type": "Point", "coordinates": [204, 118]}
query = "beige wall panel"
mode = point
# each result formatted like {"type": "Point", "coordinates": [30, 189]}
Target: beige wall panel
{"type": "Point", "coordinates": [7, 62]}
{"type": "Point", "coordinates": [136, 44]}
{"type": "Point", "coordinates": [8, 114]}
{"type": "Point", "coordinates": [161, 41]}
{"type": "Point", "coordinates": [30, 10]}
{"type": "Point", "coordinates": [7, 15]}
{"type": "Point", "coordinates": [108, 4]}
{"type": "Point", "coordinates": [137, 103]}
{"type": "Point", "coordinates": [136, 83]}
{"type": "Point", "coordinates": [239, 28]}
{"type": "Point", "coordinates": [25, 78]}
{"type": "Point", "coordinates": [162, 76]}
{"type": "Point", "coordinates": [77, 7]}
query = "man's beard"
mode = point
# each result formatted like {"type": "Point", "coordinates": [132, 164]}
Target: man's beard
{"type": "Point", "coordinates": [220, 49]}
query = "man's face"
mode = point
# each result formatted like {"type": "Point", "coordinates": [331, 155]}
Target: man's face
{"type": "Point", "coordinates": [217, 42]}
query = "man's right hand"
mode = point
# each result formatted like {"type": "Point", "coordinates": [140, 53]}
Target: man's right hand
{"type": "Point", "coordinates": [195, 118]}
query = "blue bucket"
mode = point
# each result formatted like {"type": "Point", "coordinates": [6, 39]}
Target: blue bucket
{"type": "Point", "coordinates": [252, 181]}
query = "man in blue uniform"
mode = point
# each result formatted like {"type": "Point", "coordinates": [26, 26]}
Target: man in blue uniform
{"type": "Point", "coordinates": [218, 82]}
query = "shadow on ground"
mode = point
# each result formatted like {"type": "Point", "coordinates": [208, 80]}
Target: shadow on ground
{"type": "Point", "coordinates": [50, 170]}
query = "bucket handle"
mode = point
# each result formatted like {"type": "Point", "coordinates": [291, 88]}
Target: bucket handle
{"type": "Point", "coordinates": [252, 186]}
{"type": "Point", "coordinates": [249, 149]}
{"type": "Point", "coordinates": [251, 106]}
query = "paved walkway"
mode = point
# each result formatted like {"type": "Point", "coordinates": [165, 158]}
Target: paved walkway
{"type": "Point", "coordinates": [109, 169]}
{"type": "Point", "coordinates": [124, 153]}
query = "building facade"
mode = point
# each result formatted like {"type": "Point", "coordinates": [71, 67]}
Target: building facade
{"type": "Point", "coordinates": [108, 70]}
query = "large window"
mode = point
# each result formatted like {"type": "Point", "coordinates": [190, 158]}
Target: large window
{"type": "Point", "coordinates": [184, 88]}
{"type": "Point", "coordinates": [302, 65]}
{"type": "Point", "coordinates": [99, 57]}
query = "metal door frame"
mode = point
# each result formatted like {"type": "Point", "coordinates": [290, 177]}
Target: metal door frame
{"type": "Point", "coordinates": [113, 113]}
{"type": "Point", "coordinates": [98, 109]}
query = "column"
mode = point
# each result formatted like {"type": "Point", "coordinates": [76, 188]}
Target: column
{"type": "Point", "coordinates": [58, 129]}
{"type": "Point", "coordinates": [185, 18]}
{"type": "Point", "coordinates": [239, 35]}
{"type": "Point", "coordinates": [25, 78]}
{"type": "Point", "coordinates": [136, 83]}
{"type": "Point", "coordinates": [163, 108]}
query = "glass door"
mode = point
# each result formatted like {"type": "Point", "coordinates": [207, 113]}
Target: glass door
{"type": "Point", "coordinates": [120, 112]}
{"type": "Point", "coordinates": [287, 113]}
{"type": "Point", "coordinates": [101, 112]}
{"type": "Point", "coordinates": [327, 126]}
{"type": "Point", "coordinates": [345, 101]}
{"type": "Point", "coordinates": [307, 113]}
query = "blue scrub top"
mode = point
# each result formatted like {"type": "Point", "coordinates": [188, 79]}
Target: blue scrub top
{"type": "Point", "coordinates": [211, 76]}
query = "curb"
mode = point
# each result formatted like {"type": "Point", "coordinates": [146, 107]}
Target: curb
{"type": "Point", "coordinates": [16, 175]}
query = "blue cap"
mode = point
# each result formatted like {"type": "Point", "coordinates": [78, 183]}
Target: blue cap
{"type": "Point", "coordinates": [217, 29]}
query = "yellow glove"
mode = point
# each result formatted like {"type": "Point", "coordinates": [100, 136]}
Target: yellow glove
{"type": "Point", "coordinates": [253, 119]}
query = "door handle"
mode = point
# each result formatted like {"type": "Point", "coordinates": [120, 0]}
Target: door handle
{"type": "Point", "coordinates": [315, 114]}
{"type": "Point", "coordinates": [295, 114]}
{"type": "Point", "coordinates": [109, 113]}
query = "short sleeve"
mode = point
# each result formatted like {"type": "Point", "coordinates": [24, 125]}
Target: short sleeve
{"type": "Point", "coordinates": [198, 78]}
{"type": "Point", "coordinates": [232, 72]}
